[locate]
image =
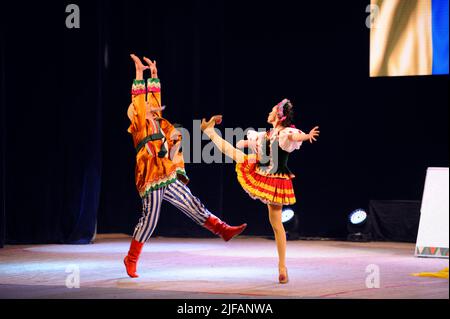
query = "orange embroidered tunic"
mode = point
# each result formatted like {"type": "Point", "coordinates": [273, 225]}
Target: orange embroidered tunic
{"type": "Point", "coordinates": [158, 160]}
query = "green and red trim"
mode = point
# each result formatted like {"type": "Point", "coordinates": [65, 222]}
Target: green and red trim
{"type": "Point", "coordinates": [153, 85]}
{"type": "Point", "coordinates": [172, 178]}
{"type": "Point", "coordinates": [138, 87]}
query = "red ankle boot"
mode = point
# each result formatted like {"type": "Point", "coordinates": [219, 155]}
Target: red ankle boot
{"type": "Point", "coordinates": [222, 229]}
{"type": "Point", "coordinates": [132, 258]}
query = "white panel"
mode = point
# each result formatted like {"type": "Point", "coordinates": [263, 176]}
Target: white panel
{"type": "Point", "coordinates": [434, 223]}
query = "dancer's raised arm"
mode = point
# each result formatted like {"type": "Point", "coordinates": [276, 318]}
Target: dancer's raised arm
{"type": "Point", "coordinates": [140, 68]}
{"type": "Point", "coordinates": [137, 110]}
{"type": "Point", "coordinates": [154, 88]}
{"type": "Point", "coordinates": [153, 68]}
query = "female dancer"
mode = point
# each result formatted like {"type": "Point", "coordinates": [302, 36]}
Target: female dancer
{"type": "Point", "coordinates": [160, 173]}
{"type": "Point", "coordinates": [265, 174]}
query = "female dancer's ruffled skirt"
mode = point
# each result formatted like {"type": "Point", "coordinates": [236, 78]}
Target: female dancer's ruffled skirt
{"type": "Point", "coordinates": [268, 189]}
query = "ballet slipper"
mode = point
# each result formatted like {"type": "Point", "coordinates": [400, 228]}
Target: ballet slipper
{"type": "Point", "coordinates": [283, 276]}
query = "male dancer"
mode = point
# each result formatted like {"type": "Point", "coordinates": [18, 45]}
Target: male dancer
{"type": "Point", "coordinates": [160, 173]}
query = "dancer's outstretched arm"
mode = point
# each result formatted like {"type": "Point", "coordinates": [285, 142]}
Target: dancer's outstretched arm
{"type": "Point", "coordinates": [225, 147]}
{"type": "Point", "coordinates": [301, 137]}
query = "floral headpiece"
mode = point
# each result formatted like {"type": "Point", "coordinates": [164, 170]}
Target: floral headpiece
{"type": "Point", "coordinates": [280, 107]}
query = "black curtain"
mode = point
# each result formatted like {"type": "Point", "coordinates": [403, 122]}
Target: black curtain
{"type": "Point", "coordinates": [395, 220]}
{"type": "Point", "coordinates": [69, 161]}
{"type": "Point", "coordinates": [3, 131]}
{"type": "Point", "coordinates": [188, 47]}
{"type": "Point", "coordinates": [52, 120]}
{"type": "Point", "coordinates": [239, 58]}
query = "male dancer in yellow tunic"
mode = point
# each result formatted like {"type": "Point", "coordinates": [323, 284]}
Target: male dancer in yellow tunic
{"type": "Point", "coordinates": [160, 173]}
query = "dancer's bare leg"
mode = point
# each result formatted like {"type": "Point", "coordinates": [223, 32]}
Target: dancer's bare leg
{"type": "Point", "coordinates": [280, 238]}
{"type": "Point", "coordinates": [226, 148]}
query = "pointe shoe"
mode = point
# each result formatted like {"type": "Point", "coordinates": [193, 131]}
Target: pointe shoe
{"type": "Point", "coordinates": [216, 119]}
{"type": "Point", "coordinates": [283, 277]}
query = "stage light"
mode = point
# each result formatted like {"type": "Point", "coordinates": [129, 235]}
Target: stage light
{"type": "Point", "coordinates": [290, 222]}
{"type": "Point", "coordinates": [358, 216]}
{"type": "Point", "coordinates": [359, 226]}
{"type": "Point", "coordinates": [286, 215]}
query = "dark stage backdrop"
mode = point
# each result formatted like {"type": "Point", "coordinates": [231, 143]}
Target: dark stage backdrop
{"type": "Point", "coordinates": [69, 162]}
{"type": "Point", "coordinates": [53, 123]}
{"type": "Point", "coordinates": [3, 132]}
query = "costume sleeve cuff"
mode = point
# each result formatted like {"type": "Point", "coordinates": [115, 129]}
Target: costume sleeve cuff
{"type": "Point", "coordinates": [154, 85]}
{"type": "Point", "coordinates": [138, 87]}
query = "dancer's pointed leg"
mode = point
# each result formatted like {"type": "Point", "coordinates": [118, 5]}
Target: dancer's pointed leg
{"type": "Point", "coordinates": [225, 147]}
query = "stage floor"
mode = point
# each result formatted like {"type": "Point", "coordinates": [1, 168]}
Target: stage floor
{"type": "Point", "coordinates": [180, 268]}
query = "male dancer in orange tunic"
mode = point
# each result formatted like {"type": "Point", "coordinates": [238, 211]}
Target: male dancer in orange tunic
{"type": "Point", "coordinates": [160, 173]}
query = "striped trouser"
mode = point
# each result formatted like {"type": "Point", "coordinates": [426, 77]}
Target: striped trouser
{"type": "Point", "coordinates": [179, 195]}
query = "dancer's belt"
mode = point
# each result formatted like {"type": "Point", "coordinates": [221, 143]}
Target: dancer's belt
{"type": "Point", "coordinates": [155, 137]}
{"type": "Point", "coordinates": [150, 138]}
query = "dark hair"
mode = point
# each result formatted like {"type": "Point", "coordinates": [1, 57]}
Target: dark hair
{"type": "Point", "coordinates": [288, 111]}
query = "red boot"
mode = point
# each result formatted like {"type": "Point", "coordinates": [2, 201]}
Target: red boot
{"type": "Point", "coordinates": [132, 258]}
{"type": "Point", "coordinates": [222, 229]}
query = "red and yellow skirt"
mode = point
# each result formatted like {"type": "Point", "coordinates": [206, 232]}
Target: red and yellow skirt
{"type": "Point", "coordinates": [268, 189]}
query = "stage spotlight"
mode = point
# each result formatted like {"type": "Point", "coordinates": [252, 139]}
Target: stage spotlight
{"type": "Point", "coordinates": [359, 226]}
{"type": "Point", "coordinates": [358, 217]}
{"type": "Point", "coordinates": [287, 215]}
{"type": "Point", "coordinates": [290, 222]}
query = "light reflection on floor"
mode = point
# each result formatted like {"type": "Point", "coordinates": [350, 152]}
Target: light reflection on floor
{"type": "Point", "coordinates": [242, 267]}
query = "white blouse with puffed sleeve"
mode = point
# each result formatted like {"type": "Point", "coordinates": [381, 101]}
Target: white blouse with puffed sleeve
{"type": "Point", "coordinates": [287, 144]}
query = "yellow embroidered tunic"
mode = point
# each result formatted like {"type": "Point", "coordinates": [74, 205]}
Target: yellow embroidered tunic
{"type": "Point", "coordinates": [158, 161]}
